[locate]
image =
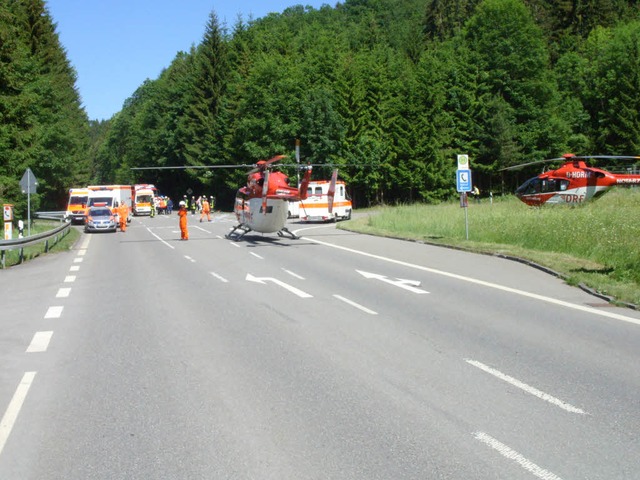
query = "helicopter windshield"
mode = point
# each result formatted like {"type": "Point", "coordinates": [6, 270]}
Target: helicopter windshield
{"type": "Point", "coordinates": [542, 185]}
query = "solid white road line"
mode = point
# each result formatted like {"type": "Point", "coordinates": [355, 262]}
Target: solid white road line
{"type": "Point", "coordinates": [167, 244]}
{"type": "Point", "coordinates": [357, 305]}
{"type": "Point", "coordinates": [527, 388]}
{"type": "Point", "coordinates": [40, 342]}
{"type": "Point", "coordinates": [63, 292]}
{"type": "Point", "coordinates": [555, 301]}
{"type": "Point", "coordinates": [293, 274]}
{"type": "Point", "coordinates": [11, 414]}
{"type": "Point", "coordinates": [507, 452]}
{"type": "Point", "coordinates": [219, 277]}
{"type": "Point", "coordinates": [53, 312]}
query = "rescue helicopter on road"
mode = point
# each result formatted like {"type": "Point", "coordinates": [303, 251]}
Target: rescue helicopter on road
{"type": "Point", "coordinates": [262, 205]}
{"type": "Point", "coordinates": [572, 183]}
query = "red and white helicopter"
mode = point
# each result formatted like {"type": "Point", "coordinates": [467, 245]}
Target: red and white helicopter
{"type": "Point", "coordinates": [264, 209]}
{"type": "Point", "coordinates": [263, 204]}
{"type": "Point", "coordinates": [574, 182]}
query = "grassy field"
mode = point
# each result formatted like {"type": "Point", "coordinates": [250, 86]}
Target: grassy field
{"type": "Point", "coordinates": [39, 226]}
{"type": "Point", "coordinates": [596, 244]}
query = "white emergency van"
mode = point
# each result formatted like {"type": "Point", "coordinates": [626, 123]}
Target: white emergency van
{"type": "Point", "coordinates": [143, 197]}
{"type": "Point", "coordinates": [110, 196]}
{"type": "Point", "coordinates": [77, 205]}
{"type": "Point", "coordinates": [316, 207]}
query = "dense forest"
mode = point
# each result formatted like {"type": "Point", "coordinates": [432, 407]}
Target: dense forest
{"type": "Point", "coordinates": [390, 91]}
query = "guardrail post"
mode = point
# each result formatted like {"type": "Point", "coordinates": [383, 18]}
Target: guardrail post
{"type": "Point", "coordinates": [2, 255]}
{"type": "Point", "coordinates": [21, 259]}
{"type": "Point", "coordinates": [46, 245]}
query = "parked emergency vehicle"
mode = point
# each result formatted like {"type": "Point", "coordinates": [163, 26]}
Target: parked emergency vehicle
{"type": "Point", "coordinates": [316, 207]}
{"type": "Point", "coordinates": [77, 205]}
{"type": "Point", "coordinates": [142, 197]}
{"type": "Point", "coordinates": [110, 196]}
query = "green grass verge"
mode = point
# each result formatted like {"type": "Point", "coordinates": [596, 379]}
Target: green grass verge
{"type": "Point", "coordinates": [595, 244]}
{"type": "Point", "coordinates": [12, 257]}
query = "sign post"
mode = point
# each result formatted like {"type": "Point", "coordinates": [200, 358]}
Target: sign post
{"type": "Point", "coordinates": [8, 219]}
{"type": "Point", "coordinates": [29, 184]}
{"type": "Point", "coordinates": [463, 185]}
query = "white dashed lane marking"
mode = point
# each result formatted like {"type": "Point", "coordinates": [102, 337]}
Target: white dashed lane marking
{"type": "Point", "coordinates": [63, 293]}
{"type": "Point", "coordinates": [53, 312]}
{"type": "Point", "coordinates": [40, 342]}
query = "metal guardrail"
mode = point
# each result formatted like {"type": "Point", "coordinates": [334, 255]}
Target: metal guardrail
{"type": "Point", "coordinates": [56, 234]}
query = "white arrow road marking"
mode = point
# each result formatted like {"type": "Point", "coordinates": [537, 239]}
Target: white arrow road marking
{"type": "Point", "coordinates": [411, 285]}
{"type": "Point", "coordinates": [291, 288]}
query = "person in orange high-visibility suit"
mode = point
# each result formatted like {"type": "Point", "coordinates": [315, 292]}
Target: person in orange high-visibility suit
{"type": "Point", "coordinates": [123, 214]}
{"type": "Point", "coordinates": [182, 214]}
{"type": "Point", "coordinates": [206, 210]}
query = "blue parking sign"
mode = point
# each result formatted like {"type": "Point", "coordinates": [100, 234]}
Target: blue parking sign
{"type": "Point", "coordinates": [463, 180]}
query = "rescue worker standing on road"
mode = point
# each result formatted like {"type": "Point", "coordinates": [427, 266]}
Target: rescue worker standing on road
{"type": "Point", "coordinates": [123, 214]}
{"type": "Point", "coordinates": [206, 210]}
{"type": "Point", "coordinates": [182, 214]}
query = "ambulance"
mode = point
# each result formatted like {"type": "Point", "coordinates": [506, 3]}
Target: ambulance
{"type": "Point", "coordinates": [110, 196]}
{"type": "Point", "coordinates": [316, 207]}
{"type": "Point", "coordinates": [142, 198]}
{"type": "Point", "coordinates": [77, 205]}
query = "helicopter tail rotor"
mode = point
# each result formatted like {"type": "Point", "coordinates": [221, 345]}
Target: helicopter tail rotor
{"type": "Point", "coordinates": [332, 190]}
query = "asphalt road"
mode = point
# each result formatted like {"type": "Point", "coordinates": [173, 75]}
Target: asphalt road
{"type": "Point", "coordinates": [335, 356]}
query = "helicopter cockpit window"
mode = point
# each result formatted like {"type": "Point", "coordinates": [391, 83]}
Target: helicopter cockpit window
{"type": "Point", "coordinates": [530, 187]}
{"type": "Point", "coordinates": [318, 191]}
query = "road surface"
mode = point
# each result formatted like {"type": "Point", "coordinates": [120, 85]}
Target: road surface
{"type": "Point", "coordinates": [335, 356]}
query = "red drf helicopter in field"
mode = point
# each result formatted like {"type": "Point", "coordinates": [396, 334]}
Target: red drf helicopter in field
{"type": "Point", "coordinates": [262, 205]}
{"type": "Point", "coordinates": [574, 182]}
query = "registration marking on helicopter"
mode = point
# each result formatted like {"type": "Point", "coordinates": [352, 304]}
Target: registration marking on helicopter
{"type": "Point", "coordinates": [476, 281]}
{"type": "Point", "coordinates": [291, 288]}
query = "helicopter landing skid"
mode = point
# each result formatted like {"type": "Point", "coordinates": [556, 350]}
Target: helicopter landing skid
{"type": "Point", "coordinates": [285, 230]}
{"type": "Point", "coordinates": [237, 236]}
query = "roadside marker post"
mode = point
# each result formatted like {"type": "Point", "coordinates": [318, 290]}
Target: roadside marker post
{"type": "Point", "coordinates": [464, 185]}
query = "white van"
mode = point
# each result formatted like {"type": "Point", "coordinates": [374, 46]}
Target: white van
{"type": "Point", "coordinates": [316, 207]}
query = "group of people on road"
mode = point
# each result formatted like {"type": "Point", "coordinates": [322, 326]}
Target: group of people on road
{"type": "Point", "coordinates": [202, 204]}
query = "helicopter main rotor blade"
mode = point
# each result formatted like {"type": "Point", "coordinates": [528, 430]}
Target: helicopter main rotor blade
{"type": "Point", "coordinates": [568, 157]}
{"type": "Point", "coordinates": [186, 167]}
